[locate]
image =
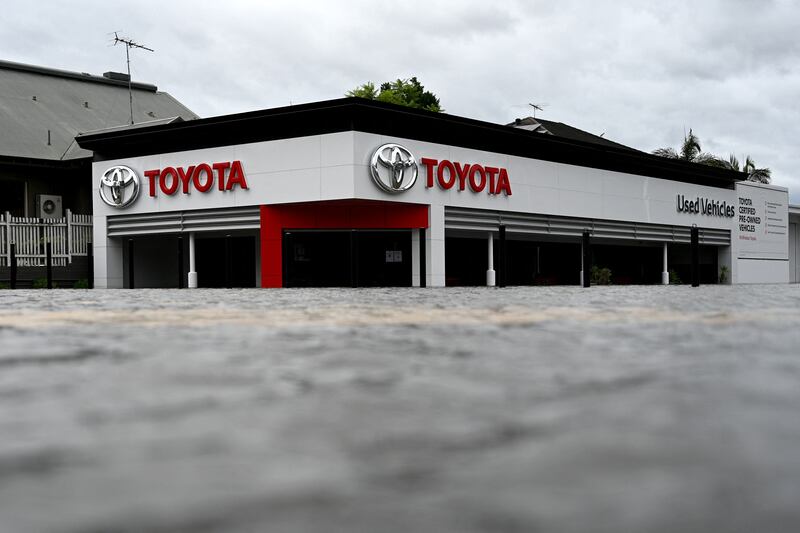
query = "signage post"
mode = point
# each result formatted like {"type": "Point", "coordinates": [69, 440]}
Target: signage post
{"type": "Point", "coordinates": [695, 256]}
{"type": "Point", "coordinates": [587, 258]}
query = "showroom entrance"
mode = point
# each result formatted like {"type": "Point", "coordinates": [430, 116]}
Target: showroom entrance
{"type": "Point", "coordinates": [355, 258]}
{"type": "Point", "coordinates": [227, 261]}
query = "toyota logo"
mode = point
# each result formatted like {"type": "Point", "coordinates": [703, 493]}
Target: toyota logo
{"type": "Point", "coordinates": [393, 168]}
{"type": "Point", "coordinates": [116, 184]}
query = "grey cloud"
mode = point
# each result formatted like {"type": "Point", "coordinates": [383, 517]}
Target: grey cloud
{"type": "Point", "coordinates": [640, 72]}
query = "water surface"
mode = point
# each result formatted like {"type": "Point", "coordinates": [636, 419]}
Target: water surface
{"type": "Point", "coordinates": [396, 410]}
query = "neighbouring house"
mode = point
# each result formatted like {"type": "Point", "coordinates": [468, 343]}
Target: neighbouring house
{"type": "Point", "coordinates": [44, 174]}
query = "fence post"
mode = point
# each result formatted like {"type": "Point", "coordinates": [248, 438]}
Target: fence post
{"type": "Point", "coordinates": [49, 264]}
{"type": "Point", "coordinates": [69, 235]}
{"type": "Point", "coordinates": [8, 236]}
{"type": "Point", "coordinates": [12, 254]}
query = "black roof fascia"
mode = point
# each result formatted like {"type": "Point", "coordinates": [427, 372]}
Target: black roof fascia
{"type": "Point", "coordinates": [355, 114]}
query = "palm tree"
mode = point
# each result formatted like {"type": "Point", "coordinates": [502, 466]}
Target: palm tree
{"type": "Point", "coordinates": [760, 175]}
{"type": "Point", "coordinates": [692, 152]}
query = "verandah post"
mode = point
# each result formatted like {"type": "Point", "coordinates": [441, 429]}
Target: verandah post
{"type": "Point", "coordinates": [12, 264]}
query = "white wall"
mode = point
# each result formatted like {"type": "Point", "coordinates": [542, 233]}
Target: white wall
{"type": "Point", "coordinates": [760, 245]}
{"type": "Point", "coordinates": [794, 245]}
{"type": "Point", "coordinates": [545, 187]}
{"type": "Point", "coordinates": [335, 166]}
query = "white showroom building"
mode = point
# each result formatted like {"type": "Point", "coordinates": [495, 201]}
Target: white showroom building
{"type": "Point", "coordinates": [351, 192]}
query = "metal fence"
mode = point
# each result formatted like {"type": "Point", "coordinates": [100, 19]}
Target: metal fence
{"type": "Point", "coordinates": [70, 236]}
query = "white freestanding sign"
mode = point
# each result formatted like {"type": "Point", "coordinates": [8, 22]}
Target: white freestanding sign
{"type": "Point", "coordinates": [760, 233]}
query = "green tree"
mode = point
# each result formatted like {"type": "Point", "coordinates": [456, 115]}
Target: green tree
{"type": "Point", "coordinates": [761, 175]}
{"type": "Point", "coordinates": [692, 152]}
{"type": "Point", "coordinates": [409, 93]}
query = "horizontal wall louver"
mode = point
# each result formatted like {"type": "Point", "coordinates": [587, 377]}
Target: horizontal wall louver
{"type": "Point", "coordinates": [463, 219]}
{"type": "Point", "coordinates": [228, 219]}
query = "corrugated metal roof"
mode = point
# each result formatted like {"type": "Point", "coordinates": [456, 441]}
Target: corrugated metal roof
{"type": "Point", "coordinates": [35, 100]}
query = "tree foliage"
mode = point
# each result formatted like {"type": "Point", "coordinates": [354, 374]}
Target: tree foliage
{"type": "Point", "coordinates": [409, 93]}
{"type": "Point", "coordinates": [691, 151]}
{"type": "Point", "coordinates": [761, 175]}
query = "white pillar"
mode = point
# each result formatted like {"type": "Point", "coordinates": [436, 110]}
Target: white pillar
{"type": "Point", "coordinates": [580, 280]}
{"type": "Point", "coordinates": [192, 281]}
{"type": "Point", "coordinates": [665, 271]}
{"type": "Point", "coordinates": [415, 270]}
{"type": "Point", "coordinates": [434, 254]}
{"type": "Point", "coordinates": [490, 273]}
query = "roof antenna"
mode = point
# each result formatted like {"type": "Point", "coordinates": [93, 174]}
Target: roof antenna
{"type": "Point", "coordinates": [129, 43]}
{"type": "Point", "coordinates": [537, 107]}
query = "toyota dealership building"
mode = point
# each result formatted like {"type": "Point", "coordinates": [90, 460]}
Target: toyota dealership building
{"type": "Point", "coordinates": [352, 192]}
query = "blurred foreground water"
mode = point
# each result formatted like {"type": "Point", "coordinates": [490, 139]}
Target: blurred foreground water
{"type": "Point", "coordinates": [398, 410]}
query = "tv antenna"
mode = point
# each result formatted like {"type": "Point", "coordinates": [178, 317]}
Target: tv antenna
{"type": "Point", "coordinates": [537, 107]}
{"type": "Point", "coordinates": [129, 43]}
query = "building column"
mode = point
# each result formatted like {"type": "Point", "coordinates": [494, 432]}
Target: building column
{"type": "Point", "coordinates": [586, 259]}
{"type": "Point", "coordinates": [665, 270]}
{"type": "Point", "coordinates": [421, 259]}
{"type": "Point", "coordinates": [502, 258]}
{"type": "Point", "coordinates": [416, 249]}
{"type": "Point", "coordinates": [108, 261]}
{"type": "Point", "coordinates": [490, 273]}
{"type": "Point", "coordinates": [434, 240]}
{"type": "Point", "coordinates": [192, 276]}
{"type": "Point", "coordinates": [131, 283]}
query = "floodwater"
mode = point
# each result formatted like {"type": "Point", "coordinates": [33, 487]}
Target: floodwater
{"type": "Point", "coordinates": [608, 409]}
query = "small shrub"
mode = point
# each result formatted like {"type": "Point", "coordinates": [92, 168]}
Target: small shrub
{"type": "Point", "coordinates": [4, 286]}
{"type": "Point", "coordinates": [81, 284]}
{"type": "Point", "coordinates": [674, 279]}
{"type": "Point", "coordinates": [723, 274]}
{"type": "Point", "coordinates": [41, 283]}
{"type": "Point", "coordinates": [600, 276]}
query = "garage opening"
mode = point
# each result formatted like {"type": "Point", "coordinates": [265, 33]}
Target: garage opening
{"type": "Point", "coordinates": [226, 261]}
{"type": "Point", "coordinates": [527, 262]}
{"type": "Point", "coordinates": [631, 264]}
{"type": "Point", "coordinates": [347, 258]}
{"type": "Point", "coordinates": [680, 264]}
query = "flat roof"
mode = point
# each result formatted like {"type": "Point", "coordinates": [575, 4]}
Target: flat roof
{"type": "Point", "coordinates": [357, 114]}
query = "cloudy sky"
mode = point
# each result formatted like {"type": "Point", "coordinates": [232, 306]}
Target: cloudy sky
{"type": "Point", "coordinates": [641, 74]}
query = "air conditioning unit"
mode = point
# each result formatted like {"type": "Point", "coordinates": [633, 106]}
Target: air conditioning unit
{"type": "Point", "coordinates": [48, 206]}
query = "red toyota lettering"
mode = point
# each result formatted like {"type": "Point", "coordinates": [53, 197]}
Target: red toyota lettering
{"type": "Point", "coordinates": [221, 168]}
{"type": "Point", "coordinates": [203, 187]}
{"type": "Point", "coordinates": [162, 181]}
{"type": "Point", "coordinates": [236, 176]}
{"type": "Point", "coordinates": [478, 176]}
{"type": "Point", "coordinates": [201, 177]}
{"type": "Point", "coordinates": [430, 165]}
{"type": "Point", "coordinates": [186, 177]}
{"type": "Point", "coordinates": [451, 171]}
{"type": "Point", "coordinates": [152, 175]}
{"type": "Point", "coordinates": [475, 186]}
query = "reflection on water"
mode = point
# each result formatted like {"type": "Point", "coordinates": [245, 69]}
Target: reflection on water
{"type": "Point", "coordinates": [522, 409]}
